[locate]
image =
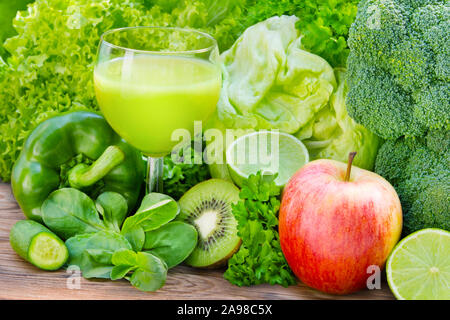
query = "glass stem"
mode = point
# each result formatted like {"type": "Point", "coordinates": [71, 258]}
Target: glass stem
{"type": "Point", "coordinates": [155, 167]}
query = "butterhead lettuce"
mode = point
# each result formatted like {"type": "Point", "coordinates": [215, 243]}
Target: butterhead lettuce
{"type": "Point", "coordinates": [270, 82]}
{"type": "Point", "coordinates": [333, 134]}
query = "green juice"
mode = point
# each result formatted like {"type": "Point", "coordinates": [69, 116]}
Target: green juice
{"type": "Point", "coordinates": [145, 98]}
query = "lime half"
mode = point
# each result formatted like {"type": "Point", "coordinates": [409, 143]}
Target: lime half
{"type": "Point", "coordinates": [270, 152]}
{"type": "Point", "coordinates": [419, 266]}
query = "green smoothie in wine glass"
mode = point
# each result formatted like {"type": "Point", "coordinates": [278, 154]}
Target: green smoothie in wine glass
{"type": "Point", "coordinates": [151, 82]}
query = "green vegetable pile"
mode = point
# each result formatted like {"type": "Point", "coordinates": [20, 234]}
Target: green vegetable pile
{"type": "Point", "coordinates": [259, 259]}
{"type": "Point", "coordinates": [368, 76]}
{"type": "Point", "coordinates": [398, 78]}
{"type": "Point", "coordinates": [67, 162]}
{"type": "Point", "coordinates": [52, 58]}
{"type": "Point", "coordinates": [104, 243]}
{"type": "Point", "coordinates": [50, 62]}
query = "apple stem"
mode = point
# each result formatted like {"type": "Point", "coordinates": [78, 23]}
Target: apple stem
{"type": "Point", "coordinates": [351, 156]}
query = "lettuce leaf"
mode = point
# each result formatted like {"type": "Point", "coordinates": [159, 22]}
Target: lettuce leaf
{"type": "Point", "coordinates": [335, 134]}
{"type": "Point", "coordinates": [179, 175]}
{"type": "Point", "coordinates": [270, 82]}
{"type": "Point", "coordinates": [8, 11]}
{"type": "Point", "coordinates": [324, 24]}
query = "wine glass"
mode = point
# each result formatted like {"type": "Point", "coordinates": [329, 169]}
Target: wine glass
{"type": "Point", "coordinates": [151, 81]}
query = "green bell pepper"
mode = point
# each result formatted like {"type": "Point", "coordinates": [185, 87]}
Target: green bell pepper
{"type": "Point", "coordinates": [79, 150]}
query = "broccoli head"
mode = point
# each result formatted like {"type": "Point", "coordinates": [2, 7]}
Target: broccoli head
{"type": "Point", "coordinates": [399, 67]}
{"type": "Point", "coordinates": [419, 170]}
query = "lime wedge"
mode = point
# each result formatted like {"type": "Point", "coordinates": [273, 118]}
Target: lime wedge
{"type": "Point", "coordinates": [270, 152]}
{"type": "Point", "coordinates": [419, 266]}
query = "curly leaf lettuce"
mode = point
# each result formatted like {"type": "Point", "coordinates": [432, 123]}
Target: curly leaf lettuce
{"type": "Point", "coordinates": [218, 18]}
{"type": "Point", "coordinates": [8, 11]}
{"type": "Point", "coordinates": [50, 67]}
{"type": "Point", "coordinates": [324, 24]}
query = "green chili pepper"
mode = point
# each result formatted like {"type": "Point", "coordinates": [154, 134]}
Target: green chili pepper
{"type": "Point", "coordinates": [78, 150]}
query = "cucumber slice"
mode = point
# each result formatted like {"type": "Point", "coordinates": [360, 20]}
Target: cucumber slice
{"type": "Point", "coordinates": [38, 245]}
{"type": "Point", "coordinates": [47, 251]}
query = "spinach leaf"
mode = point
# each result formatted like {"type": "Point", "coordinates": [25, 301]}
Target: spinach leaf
{"type": "Point", "coordinates": [149, 272]}
{"type": "Point", "coordinates": [136, 237]}
{"type": "Point", "coordinates": [124, 262]}
{"type": "Point", "coordinates": [100, 256]}
{"type": "Point", "coordinates": [76, 246]}
{"type": "Point", "coordinates": [120, 271]}
{"type": "Point", "coordinates": [96, 263]}
{"type": "Point", "coordinates": [124, 257]}
{"type": "Point", "coordinates": [156, 210]}
{"type": "Point", "coordinates": [102, 250]}
{"type": "Point", "coordinates": [93, 252]}
{"type": "Point", "coordinates": [172, 242]}
{"type": "Point", "coordinates": [68, 212]}
{"type": "Point", "coordinates": [113, 207]}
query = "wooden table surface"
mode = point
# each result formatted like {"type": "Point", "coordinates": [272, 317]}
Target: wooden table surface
{"type": "Point", "coordinates": [21, 280]}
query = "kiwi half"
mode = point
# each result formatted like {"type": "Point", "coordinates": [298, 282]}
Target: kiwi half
{"type": "Point", "coordinates": [207, 206]}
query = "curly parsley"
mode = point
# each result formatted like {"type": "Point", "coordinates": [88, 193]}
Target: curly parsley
{"type": "Point", "coordinates": [179, 175]}
{"type": "Point", "coordinates": [259, 259]}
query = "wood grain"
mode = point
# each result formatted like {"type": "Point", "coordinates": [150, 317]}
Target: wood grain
{"type": "Point", "coordinates": [20, 280]}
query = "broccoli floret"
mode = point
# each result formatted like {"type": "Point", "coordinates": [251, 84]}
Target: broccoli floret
{"type": "Point", "coordinates": [419, 169]}
{"type": "Point", "coordinates": [399, 67]}
{"type": "Point", "coordinates": [398, 78]}
{"type": "Point", "coordinates": [432, 105]}
{"type": "Point", "coordinates": [431, 208]}
{"type": "Point", "coordinates": [378, 103]}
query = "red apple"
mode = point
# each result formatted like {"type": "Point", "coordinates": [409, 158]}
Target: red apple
{"type": "Point", "coordinates": [335, 222]}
